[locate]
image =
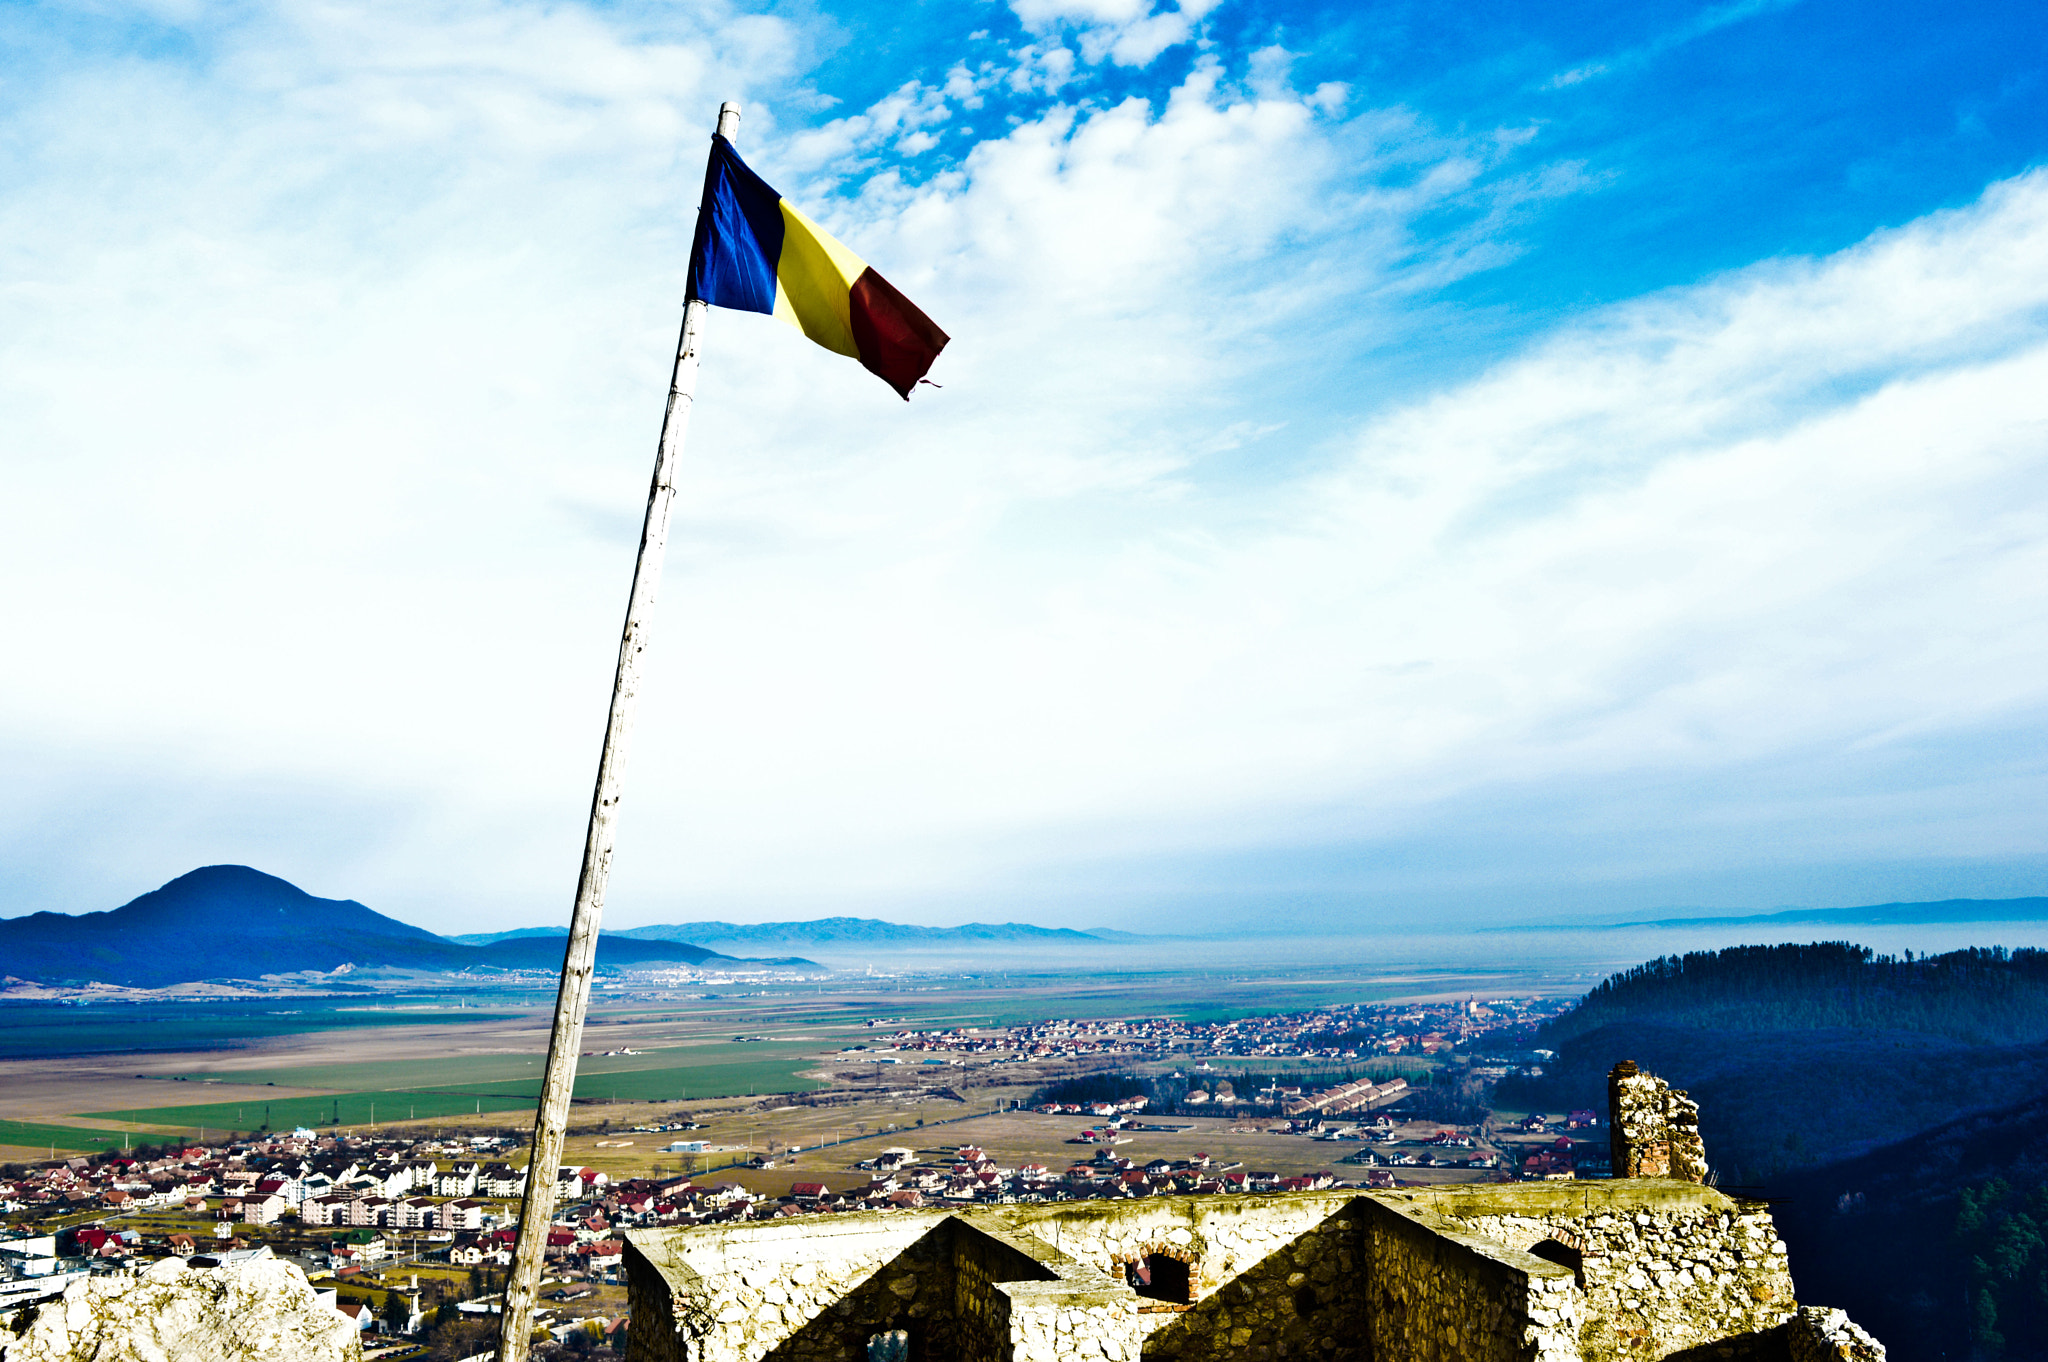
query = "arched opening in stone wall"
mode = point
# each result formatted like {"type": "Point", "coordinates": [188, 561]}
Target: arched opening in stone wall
{"type": "Point", "coordinates": [1161, 1277]}
{"type": "Point", "coordinates": [1564, 1255]}
{"type": "Point", "coordinates": [891, 1345]}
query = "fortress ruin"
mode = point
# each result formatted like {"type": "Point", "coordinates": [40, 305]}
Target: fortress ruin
{"type": "Point", "coordinates": [1646, 1267]}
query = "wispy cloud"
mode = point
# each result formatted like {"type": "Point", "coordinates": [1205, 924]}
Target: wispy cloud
{"type": "Point", "coordinates": [1706, 21]}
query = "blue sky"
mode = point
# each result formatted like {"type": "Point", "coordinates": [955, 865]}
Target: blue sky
{"type": "Point", "coordinates": [1396, 462]}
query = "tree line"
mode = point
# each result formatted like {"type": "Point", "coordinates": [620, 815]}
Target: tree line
{"type": "Point", "coordinates": [1982, 995]}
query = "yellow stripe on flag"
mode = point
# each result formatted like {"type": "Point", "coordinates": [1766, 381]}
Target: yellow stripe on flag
{"type": "Point", "coordinates": [813, 281]}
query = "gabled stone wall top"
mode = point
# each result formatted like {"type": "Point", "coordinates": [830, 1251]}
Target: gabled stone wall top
{"type": "Point", "coordinates": [1533, 1272]}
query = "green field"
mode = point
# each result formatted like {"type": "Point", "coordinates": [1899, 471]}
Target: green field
{"type": "Point", "coordinates": [736, 1078]}
{"type": "Point", "coordinates": [71, 1139]}
{"type": "Point", "coordinates": [396, 1075]}
{"type": "Point", "coordinates": [516, 1091]}
{"type": "Point", "coordinates": [520, 1074]}
{"type": "Point", "coordinates": [686, 1052]}
{"type": "Point", "coordinates": [1015, 998]}
{"type": "Point", "coordinates": [33, 1030]}
{"type": "Point", "coordinates": [354, 1108]}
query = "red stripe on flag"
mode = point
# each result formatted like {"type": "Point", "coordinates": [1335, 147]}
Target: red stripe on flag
{"type": "Point", "coordinates": [897, 342]}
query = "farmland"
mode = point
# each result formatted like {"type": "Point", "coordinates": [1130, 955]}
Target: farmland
{"type": "Point", "coordinates": [424, 1060]}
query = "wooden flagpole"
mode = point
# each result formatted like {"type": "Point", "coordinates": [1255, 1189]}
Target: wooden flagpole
{"type": "Point", "coordinates": [537, 1209]}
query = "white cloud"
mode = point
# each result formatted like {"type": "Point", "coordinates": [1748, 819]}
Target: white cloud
{"type": "Point", "coordinates": [1126, 32]}
{"type": "Point", "coordinates": [331, 384]}
{"type": "Point", "coordinates": [900, 118]}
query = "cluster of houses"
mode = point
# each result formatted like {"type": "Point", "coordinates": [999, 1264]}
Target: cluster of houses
{"type": "Point", "coordinates": [1332, 1033]}
{"type": "Point", "coordinates": [1560, 1159]}
{"type": "Point", "coordinates": [1442, 1149]}
{"type": "Point", "coordinates": [897, 1178]}
{"type": "Point", "coordinates": [1292, 1099]}
{"type": "Point", "coordinates": [1343, 1097]}
{"type": "Point", "coordinates": [327, 1180]}
{"type": "Point", "coordinates": [1437, 1154]}
{"type": "Point", "coordinates": [587, 1237]}
{"type": "Point", "coordinates": [1123, 1106]}
{"type": "Point", "coordinates": [359, 1201]}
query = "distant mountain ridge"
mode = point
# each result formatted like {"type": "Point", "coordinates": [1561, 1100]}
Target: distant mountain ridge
{"type": "Point", "coordinates": [833, 931]}
{"type": "Point", "coordinates": [235, 922]}
{"type": "Point", "coordinates": [862, 931]}
{"type": "Point", "coordinates": [545, 952]}
{"type": "Point", "coordinates": [1929, 913]}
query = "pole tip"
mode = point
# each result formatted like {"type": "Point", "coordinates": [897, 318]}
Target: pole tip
{"type": "Point", "coordinates": [728, 119]}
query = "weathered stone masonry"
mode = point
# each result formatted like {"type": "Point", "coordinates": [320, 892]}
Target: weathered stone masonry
{"type": "Point", "coordinates": [1534, 1272]}
{"type": "Point", "coordinates": [1653, 1129]}
{"type": "Point", "coordinates": [1651, 1266]}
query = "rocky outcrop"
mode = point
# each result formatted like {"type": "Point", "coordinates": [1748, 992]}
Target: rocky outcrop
{"type": "Point", "coordinates": [1653, 1128]}
{"type": "Point", "coordinates": [262, 1310]}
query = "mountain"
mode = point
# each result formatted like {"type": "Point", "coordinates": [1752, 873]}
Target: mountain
{"type": "Point", "coordinates": [863, 931]}
{"type": "Point", "coordinates": [1870, 915]}
{"type": "Point", "coordinates": [1881, 914]}
{"type": "Point", "coordinates": [220, 921]}
{"type": "Point", "coordinates": [232, 922]}
{"type": "Point", "coordinates": [836, 931]}
{"type": "Point", "coordinates": [516, 934]}
{"type": "Point", "coordinates": [541, 948]}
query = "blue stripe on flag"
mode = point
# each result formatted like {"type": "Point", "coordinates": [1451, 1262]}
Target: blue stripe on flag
{"type": "Point", "coordinates": [739, 235]}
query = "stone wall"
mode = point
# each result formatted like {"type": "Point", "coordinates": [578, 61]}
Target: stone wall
{"type": "Point", "coordinates": [1218, 1237]}
{"type": "Point", "coordinates": [1653, 1129]}
{"type": "Point", "coordinates": [1438, 1292]}
{"type": "Point", "coordinates": [1661, 1266]}
{"type": "Point", "coordinates": [1060, 1320]}
{"type": "Point", "coordinates": [1817, 1335]}
{"type": "Point", "coordinates": [1630, 1271]}
{"type": "Point", "coordinates": [985, 1260]}
{"type": "Point", "coordinates": [1269, 1276]}
{"type": "Point", "coordinates": [795, 1290]}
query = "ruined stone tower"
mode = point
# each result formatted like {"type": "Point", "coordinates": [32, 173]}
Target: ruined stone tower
{"type": "Point", "coordinates": [1653, 1128]}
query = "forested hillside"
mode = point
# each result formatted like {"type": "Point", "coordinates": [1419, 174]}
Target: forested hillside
{"type": "Point", "coordinates": [1987, 996]}
{"type": "Point", "coordinates": [1895, 1109]}
{"type": "Point", "coordinates": [1802, 1055]}
{"type": "Point", "coordinates": [1937, 1244]}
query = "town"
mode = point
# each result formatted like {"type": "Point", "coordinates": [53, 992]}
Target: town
{"type": "Point", "coordinates": [1339, 1034]}
{"type": "Point", "coordinates": [409, 1234]}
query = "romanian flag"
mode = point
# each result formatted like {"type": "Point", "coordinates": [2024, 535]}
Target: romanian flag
{"type": "Point", "coordinates": [756, 253]}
